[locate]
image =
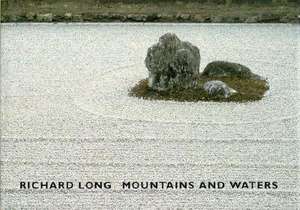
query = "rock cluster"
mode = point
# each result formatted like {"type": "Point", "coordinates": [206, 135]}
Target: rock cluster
{"type": "Point", "coordinates": [172, 63]}
{"type": "Point", "coordinates": [155, 17]}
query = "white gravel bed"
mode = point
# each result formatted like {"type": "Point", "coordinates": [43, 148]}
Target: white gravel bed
{"type": "Point", "coordinates": [67, 116]}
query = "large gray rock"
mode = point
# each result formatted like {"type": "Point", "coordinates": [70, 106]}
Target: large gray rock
{"type": "Point", "coordinates": [228, 69]}
{"type": "Point", "coordinates": [172, 63]}
{"type": "Point", "coordinates": [218, 88]}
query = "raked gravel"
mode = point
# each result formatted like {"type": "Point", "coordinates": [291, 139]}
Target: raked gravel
{"type": "Point", "coordinates": [66, 116]}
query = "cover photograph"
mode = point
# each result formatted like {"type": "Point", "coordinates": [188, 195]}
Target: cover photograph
{"type": "Point", "coordinates": [150, 104]}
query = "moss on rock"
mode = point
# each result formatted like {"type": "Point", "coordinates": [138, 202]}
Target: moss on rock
{"type": "Point", "coordinates": [247, 90]}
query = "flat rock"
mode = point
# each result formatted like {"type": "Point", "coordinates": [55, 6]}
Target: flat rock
{"type": "Point", "coordinates": [228, 69]}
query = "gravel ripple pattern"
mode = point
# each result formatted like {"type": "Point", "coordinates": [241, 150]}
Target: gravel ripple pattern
{"type": "Point", "coordinates": [67, 116]}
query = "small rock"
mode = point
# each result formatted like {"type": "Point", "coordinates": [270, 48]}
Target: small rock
{"type": "Point", "coordinates": [172, 63]}
{"type": "Point", "coordinates": [228, 69]}
{"type": "Point", "coordinates": [218, 88]}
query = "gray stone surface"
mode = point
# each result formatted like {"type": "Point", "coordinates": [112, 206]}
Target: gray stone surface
{"type": "Point", "coordinates": [172, 63]}
{"type": "Point", "coordinates": [218, 88]}
{"type": "Point", "coordinates": [229, 69]}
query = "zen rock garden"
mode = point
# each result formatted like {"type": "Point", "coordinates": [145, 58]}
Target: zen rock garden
{"type": "Point", "coordinates": [173, 67]}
